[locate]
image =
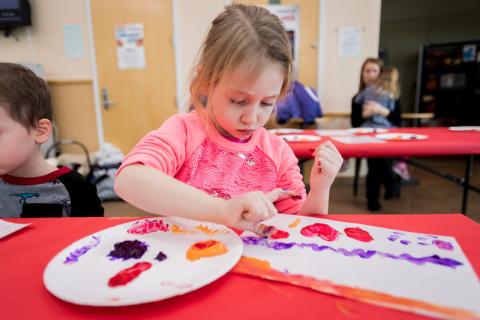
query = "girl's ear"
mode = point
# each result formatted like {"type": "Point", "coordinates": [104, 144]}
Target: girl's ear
{"type": "Point", "coordinates": [42, 131]}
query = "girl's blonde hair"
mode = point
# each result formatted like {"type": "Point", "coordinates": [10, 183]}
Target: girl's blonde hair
{"type": "Point", "coordinates": [242, 35]}
{"type": "Point", "coordinates": [376, 61]}
{"type": "Point", "coordinates": [387, 82]}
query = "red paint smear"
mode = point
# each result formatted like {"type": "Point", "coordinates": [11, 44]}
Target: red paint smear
{"type": "Point", "coordinates": [280, 234]}
{"type": "Point", "coordinates": [148, 226]}
{"type": "Point", "coordinates": [127, 275]}
{"type": "Point", "coordinates": [205, 244]}
{"type": "Point", "coordinates": [321, 230]}
{"type": "Point", "coordinates": [358, 234]}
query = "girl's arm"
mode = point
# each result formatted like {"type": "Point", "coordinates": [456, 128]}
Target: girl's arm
{"type": "Point", "coordinates": [158, 193]}
{"type": "Point", "coordinates": [324, 170]}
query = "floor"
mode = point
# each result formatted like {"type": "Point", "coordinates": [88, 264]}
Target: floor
{"type": "Point", "coordinates": [432, 195]}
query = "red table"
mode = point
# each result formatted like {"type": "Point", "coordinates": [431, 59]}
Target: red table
{"type": "Point", "coordinates": [25, 254]}
{"type": "Point", "coordinates": [440, 142]}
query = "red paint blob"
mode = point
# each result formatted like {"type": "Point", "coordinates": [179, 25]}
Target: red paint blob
{"type": "Point", "coordinates": [148, 226]}
{"type": "Point", "coordinates": [205, 244]}
{"type": "Point", "coordinates": [280, 234]}
{"type": "Point", "coordinates": [127, 275]}
{"type": "Point", "coordinates": [358, 234]}
{"type": "Point", "coordinates": [321, 230]}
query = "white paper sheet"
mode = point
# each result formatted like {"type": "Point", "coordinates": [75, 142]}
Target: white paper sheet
{"type": "Point", "coordinates": [7, 228]}
{"type": "Point", "coordinates": [358, 139]}
{"type": "Point", "coordinates": [422, 273]}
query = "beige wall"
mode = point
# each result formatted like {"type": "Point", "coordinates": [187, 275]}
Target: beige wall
{"type": "Point", "coordinates": [339, 75]}
{"type": "Point", "coordinates": [192, 20]}
{"type": "Point", "coordinates": [42, 43]}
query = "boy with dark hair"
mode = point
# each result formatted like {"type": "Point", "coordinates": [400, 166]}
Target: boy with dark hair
{"type": "Point", "coordinates": [29, 185]}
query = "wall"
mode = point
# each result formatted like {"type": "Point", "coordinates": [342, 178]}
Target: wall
{"type": "Point", "coordinates": [404, 28]}
{"type": "Point", "coordinates": [69, 79]}
{"type": "Point", "coordinates": [338, 76]}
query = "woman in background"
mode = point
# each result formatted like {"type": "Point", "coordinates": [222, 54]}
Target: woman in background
{"type": "Point", "coordinates": [367, 110]}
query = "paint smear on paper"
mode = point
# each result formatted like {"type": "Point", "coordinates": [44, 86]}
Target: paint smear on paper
{"type": "Point", "coordinates": [295, 223]}
{"type": "Point", "coordinates": [148, 226]}
{"type": "Point", "coordinates": [205, 249]}
{"type": "Point", "coordinates": [358, 234]}
{"type": "Point", "coordinates": [279, 234]}
{"type": "Point", "coordinates": [127, 275]}
{"type": "Point", "coordinates": [161, 256]}
{"type": "Point", "coordinates": [443, 245]}
{"type": "Point", "coordinates": [177, 229]}
{"type": "Point", "coordinates": [321, 230]}
{"type": "Point", "coordinates": [128, 249]}
{"type": "Point", "coordinates": [207, 230]}
{"type": "Point", "coordinates": [357, 252]}
{"type": "Point", "coordinates": [73, 256]}
{"type": "Point", "coordinates": [263, 269]}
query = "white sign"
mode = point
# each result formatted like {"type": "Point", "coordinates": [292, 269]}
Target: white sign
{"type": "Point", "coordinates": [349, 41]}
{"type": "Point", "coordinates": [130, 48]}
{"type": "Point", "coordinates": [72, 41]}
{"type": "Point", "coordinates": [290, 17]}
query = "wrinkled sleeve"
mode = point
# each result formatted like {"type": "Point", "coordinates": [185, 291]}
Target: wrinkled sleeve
{"type": "Point", "coordinates": [291, 179]}
{"type": "Point", "coordinates": [163, 149]}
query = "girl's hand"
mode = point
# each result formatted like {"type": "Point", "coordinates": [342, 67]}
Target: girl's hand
{"type": "Point", "coordinates": [253, 206]}
{"type": "Point", "coordinates": [326, 166]}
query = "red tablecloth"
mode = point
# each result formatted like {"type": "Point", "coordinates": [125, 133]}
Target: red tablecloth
{"type": "Point", "coordinates": [441, 141]}
{"type": "Point", "coordinates": [25, 254]}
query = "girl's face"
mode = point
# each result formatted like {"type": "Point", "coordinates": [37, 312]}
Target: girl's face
{"type": "Point", "coordinates": [370, 73]}
{"type": "Point", "coordinates": [240, 105]}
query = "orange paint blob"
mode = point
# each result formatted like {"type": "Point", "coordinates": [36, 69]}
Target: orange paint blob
{"type": "Point", "coordinates": [294, 223]}
{"type": "Point", "coordinates": [205, 249]}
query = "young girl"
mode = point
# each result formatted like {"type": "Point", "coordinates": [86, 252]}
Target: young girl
{"type": "Point", "coordinates": [378, 99]}
{"type": "Point", "coordinates": [218, 163]}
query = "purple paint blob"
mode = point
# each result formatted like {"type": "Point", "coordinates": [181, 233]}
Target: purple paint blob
{"type": "Point", "coordinates": [161, 256]}
{"type": "Point", "coordinates": [443, 245]}
{"type": "Point", "coordinates": [423, 243]}
{"type": "Point", "coordinates": [405, 242]}
{"type": "Point", "coordinates": [392, 238]}
{"type": "Point", "coordinates": [73, 256]}
{"type": "Point", "coordinates": [128, 249]}
{"type": "Point", "coordinates": [364, 254]}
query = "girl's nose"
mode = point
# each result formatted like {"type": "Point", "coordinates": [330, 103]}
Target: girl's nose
{"type": "Point", "coordinates": [250, 115]}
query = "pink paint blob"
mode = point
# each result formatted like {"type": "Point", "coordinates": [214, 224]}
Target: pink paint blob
{"type": "Point", "coordinates": [280, 234]}
{"type": "Point", "coordinates": [321, 230]}
{"type": "Point", "coordinates": [128, 274]}
{"type": "Point", "coordinates": [148, 226]}
{"type": "Point", "coordinates": [443, 245]}
{"type": "Point", "coordinates": [358, 234]}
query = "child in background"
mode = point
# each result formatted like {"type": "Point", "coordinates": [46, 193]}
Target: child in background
{"type": "Point", "coordinates": [378, 99]}
{"type": "Point", "coordinates": [29, 185]}
{"type": "Point", "coordinates": [218, 163]}
{"type": "Point", "coordinates": [301, 102]}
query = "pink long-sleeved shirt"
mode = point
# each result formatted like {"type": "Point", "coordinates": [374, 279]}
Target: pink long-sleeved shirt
{"type": "Point", "coordinates": [184, 148]}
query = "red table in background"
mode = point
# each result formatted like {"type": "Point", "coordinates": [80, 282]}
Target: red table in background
{"type": "Point", "coordinates": [441, 142]}
{"type": "Point", "coordinates": [25, 254]}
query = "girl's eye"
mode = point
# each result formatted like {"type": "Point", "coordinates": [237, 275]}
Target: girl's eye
{"type": "Point", "coordinates": [267, 104]}
{"type": "Point", "coordinates": [237, 102]}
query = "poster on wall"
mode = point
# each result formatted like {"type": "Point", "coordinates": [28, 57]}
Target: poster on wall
{"type": "Point", "coordinates": [349, 41]}
{"type": "Point", "coordinates": [290, 17]}
{"type": "Point", "coordinates": [130, 47]}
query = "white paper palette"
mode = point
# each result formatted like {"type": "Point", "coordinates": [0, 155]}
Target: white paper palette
{"type": "Point", "coordinates": [85, 280]}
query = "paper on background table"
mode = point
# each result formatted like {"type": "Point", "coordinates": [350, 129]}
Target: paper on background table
{"type": "Point", "coordinates": [383, 271]}
{"type": "Point", "coordinates": [333, 132]}
{"type": "Point", "coordinates": [7, 228]}
{"type": "Point", "coordinates": [358, 139]}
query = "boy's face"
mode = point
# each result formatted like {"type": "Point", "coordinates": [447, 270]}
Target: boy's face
{"type": "Point", "coordinates": [17, 144]}
{"type": "Point", "coordinates": [240, 106]}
